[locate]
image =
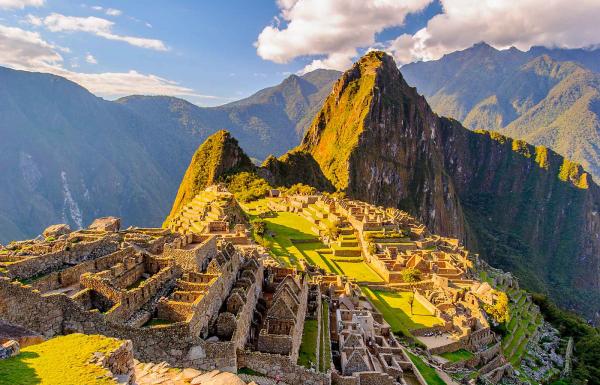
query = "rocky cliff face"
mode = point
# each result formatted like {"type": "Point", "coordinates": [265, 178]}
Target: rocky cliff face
{"type": "Point", "coordinates": [218, 155]}
{"type": "Point", "coordinates": [375, 139]}
{"type": "Point", "coordinates": [525, 208]}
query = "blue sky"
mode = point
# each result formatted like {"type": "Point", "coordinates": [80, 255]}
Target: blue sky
{"type": "Point", "coordinates": [213, 52]}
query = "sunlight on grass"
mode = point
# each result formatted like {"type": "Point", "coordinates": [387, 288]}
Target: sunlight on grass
{"type": "Point", "coordinates": [60, 361]}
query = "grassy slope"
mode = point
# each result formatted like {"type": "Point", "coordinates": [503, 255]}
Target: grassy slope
{"type": "Point", "coordinates": [396, 311]}
{"type": "Point", "coordinates": [60, 361]}
{"type": "Point", "coordinates": [431, 377]}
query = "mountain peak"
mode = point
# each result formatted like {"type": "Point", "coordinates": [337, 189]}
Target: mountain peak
{"type": "Point", "coordinates": [217, 156]}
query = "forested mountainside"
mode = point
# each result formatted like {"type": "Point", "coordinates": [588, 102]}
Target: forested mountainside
{"type": "Point", "coordinates": [525, 209]}
{"type": "Point", "coordinates": [69, 156]}
{"type": "Point", "coordinates": [548, 97]}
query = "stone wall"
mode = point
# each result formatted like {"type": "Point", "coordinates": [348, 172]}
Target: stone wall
{"type": "Point", "coordinates": [273, 365]}
{"type": "Point", "coordinates": [73, 253]}
{"type": "Point", "coordinates": [55, 314]}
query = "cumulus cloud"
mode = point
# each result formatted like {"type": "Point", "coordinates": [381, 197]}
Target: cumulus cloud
{"type": "Point", "coordinates": [524, 23]}
{"type": "Point", "coordinates": [20, 4]}
{"type": "Point", "coordinates": [334, 29]}
{"type": "Point", "coordinates": [89, 58]}
{"type": "Point", "coordinates": [56, 22]}
{"type": "Point", "coordinates": [27, 50]}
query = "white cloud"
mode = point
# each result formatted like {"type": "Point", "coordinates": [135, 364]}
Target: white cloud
{"type": "Point", "coordinates": [332, 28]}
{"type": "Point", "coordinates": [20, 4]}
{"type": "Point", "coordinates": [89, 58]}
{"type": "Point", "coordinates": [56, 22]}
{"type": "Point", "coordinates": [524, 23]}
{"type": "Point", "coordinates": [113, 12]}
{"type": "Point", "coordinates": [108, 11]}
{"type": "Point", "coordinates": [26, 50]}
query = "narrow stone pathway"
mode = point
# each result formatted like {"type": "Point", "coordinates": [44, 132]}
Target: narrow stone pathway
{"type": "Point", "coordinates": [163, 374]}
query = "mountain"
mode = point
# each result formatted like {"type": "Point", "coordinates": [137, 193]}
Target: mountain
{"type": "Point", "coordinates": [526, 209]}
{"type": "Point", "coordinates": [219, 154]}
{"type": "Point", "coordinates": [69, 156]}
{"type": "Point", "coordinates": [271, 121]}
{"type": "Point", "coordinates": [548, 97]}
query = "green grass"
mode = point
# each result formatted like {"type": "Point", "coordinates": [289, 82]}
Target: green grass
{"type": "Point", "coordinates": [308, 347]}
{"type": "Point", "coordinates": [157, 322]}
{"type": "Point", "coordinates": [428, 373]}
{"type": "Point", "coordinates": [359, 271]}
{"type": "Point", "coordinates": [395, 307]}
{"type": "Point", "coordinates": [60, 361]}
{"type": "Point", "coordinates": [325, 359]}
{"type": "Point", "coordinates": [459, 355]}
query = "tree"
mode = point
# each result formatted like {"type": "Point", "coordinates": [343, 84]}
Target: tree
{"type": "Point", "coordinates": [499, 309]}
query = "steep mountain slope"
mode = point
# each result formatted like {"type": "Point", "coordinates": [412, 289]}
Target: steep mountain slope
{"type": "Point", "coordinates": [269, 122]}
{"type": "Point", "coordinates": [219, 154]}
{"type": "Point", "coordinates": [524, 208]}
{"type": "Point", "coordinates": [544, 96]}
{"type": "Point", "coordinates": [69, 156]}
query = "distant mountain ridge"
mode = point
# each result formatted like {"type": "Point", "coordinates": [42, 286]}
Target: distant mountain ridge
{"type": "Point", "coordinates": [545, 96]}
{"type": "Point", "coordinates": [271, 121]}
{"type": "Point", "coordinates": [69, 156]}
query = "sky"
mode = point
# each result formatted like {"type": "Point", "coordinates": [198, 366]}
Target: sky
{"type": "Point", "coordinates": [214, 52]}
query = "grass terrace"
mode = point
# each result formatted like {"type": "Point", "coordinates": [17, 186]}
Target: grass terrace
{"type": "Point", "coordinates": [325, 346]}
{"type": "Point", "coordinates": [293, 238]}
{"type": "Point", "coordinates": [307, 355]}
{"type": "Point", "coordinates": [395, 307]}
{"type": "Point", "coordinates": [60, 361]}
{"type": "Point", "coordinates": [428, 373]}
{"type": "Point", "coordinates": [459, 355]}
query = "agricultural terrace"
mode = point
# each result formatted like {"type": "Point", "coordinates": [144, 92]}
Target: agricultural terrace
{"type": "Point", "coordinates": [522, 325]}
{"type": "Point", "coordinates": [291, 238]}
{"type": "Point", "coordinates": [396, 309]}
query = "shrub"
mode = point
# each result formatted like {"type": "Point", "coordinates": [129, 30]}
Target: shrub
{"type": "Point", "coordinates": [372, 248]}
{"type": "Point", "coordinates": [247, 186]}
{"type": "Point", "coordinates": [259, 226]}
{"type": "Point", "coordinates": [301, 189]}
{"type": "Point", "coordinates": [411, 275]}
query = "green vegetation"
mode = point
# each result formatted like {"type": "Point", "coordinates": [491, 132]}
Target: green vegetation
{"type": "Point", "coordinates": [336, 129]}
{"type": "Point", "coordinates": [586, 366]}
{"type": "Point", "coordinates": [301, 189]}
{"type": "Point", "coordinates": [157, 322]}
{"type": "Point", "coordinates": [219, 155]}
{"type": "Point", "coordinates": [60, 361]}
{"type": "Point", "coordinates": [428, 373]}
{"type": "Point", "coordinates": [411, 275]}
{"type": "Point", "coordinates": [50, 239]}
{"type": "Point", "coordinates": [247, 186]}
{"type": "Point", "coordinates": [357, 269]}
{"type": "Point", "coordinates": [396, 309]}
{"type": "Point", "coordinates": [499, 310]}
{"type": "Point", "coordinates": [307, 354]}
{"type": "Point", "coordinates": [459, 355]}
{"type": "Point", "coordinates": [325, 351]}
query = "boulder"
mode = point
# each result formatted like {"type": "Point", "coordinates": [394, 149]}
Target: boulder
{"type": "Point", "coordinates": [56, 231]}
{"type": "Point", "coordinates": [106, 224]}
